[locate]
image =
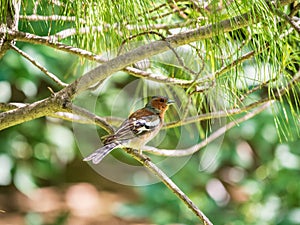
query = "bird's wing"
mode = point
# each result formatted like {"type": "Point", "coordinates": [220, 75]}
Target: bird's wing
{"type": "Point", "coordinates": [133, 127]}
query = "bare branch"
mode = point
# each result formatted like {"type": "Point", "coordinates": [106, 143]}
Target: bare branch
{"type": "Point", "coordinates": [72, 113]}
{"type": "Point", "coordinates": [27, 112]}
{"type": "Point", "coordinates": [47, 41]}
{"type": "Point", "coordinates": [212, 137]}
{"type": "Point", "coordinates": [90, 116]}
{"type": "Point", "coordinates": [170, 184]}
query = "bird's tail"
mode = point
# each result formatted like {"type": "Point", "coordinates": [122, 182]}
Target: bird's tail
{"type": "Point", "coordinates": [100, 153]}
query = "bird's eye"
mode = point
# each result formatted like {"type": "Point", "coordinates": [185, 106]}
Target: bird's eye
{"type": "Point", "coordinates": [162, 100]}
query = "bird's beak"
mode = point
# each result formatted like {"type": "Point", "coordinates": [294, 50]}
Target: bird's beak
{"type": "Point", "coordinates": [169, 102]}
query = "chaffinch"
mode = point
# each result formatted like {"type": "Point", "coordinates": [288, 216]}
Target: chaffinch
{"type": "Point", "coordinates": [140, 127]}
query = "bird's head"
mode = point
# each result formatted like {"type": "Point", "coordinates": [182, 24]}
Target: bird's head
{"type": "Point", "coordinates": [159, 104]}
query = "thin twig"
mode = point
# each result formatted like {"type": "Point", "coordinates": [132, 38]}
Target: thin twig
{"type": "Point", "coordinates": [157, 77]}
{"type": "Point", "coordinates": [212, 137]}
{"type": "Point", "coordinates": [290, 84]}
{"type": "Point", "coordinates": [160, 16]}
{"type": "Point", "coordinates": [228, 67]}
{"type": "Point", "coordinates": [290, 30]}
{"type": "Point", "coordinates": [73, 31]}
{"type": "Point", "coordinates": [258, 87]}
{"type": "Point", "coordinates": [51, 18]}
{"type": "Point", "coordinates": [90, 116]}
{"type": "Point", "coordinates": [39, 66]}
{"type": "Point", "coordinates": [175, 7]}
{"type": "Point", "coordinates": [52, 42]}
{"type": "Point", "coordinates": [74, 118]}
{"type": "Point", "coordinates": [155, 9]}
{"type": "Point", "coordinates": [214, 115]}
{"type": "Point", "coordinates": [170, 184]}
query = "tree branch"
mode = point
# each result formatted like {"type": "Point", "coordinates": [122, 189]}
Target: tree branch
{"type": "Point", "coordinates": [72, 113]}
{"type": "Point", "coordinates": [146, 162]}
{"type": "Point", "coordinates": [158, 78]}
{"type": "Point", "coordinates": [28, 112]}
{"type": "Point", "coordinates": [27, 37]}
{"type": "Point", "coordinates": [39, 66]}
{"type": "Point", "coordinates": [122, 61]}
{"type": "Point", "coordinates": [213, 115]}
{"type": "Point", "coordinates": [241, 59]}
{"type": "Point", "coordinates": [90, 116]}
{"type": "Point", "coordinates": [212, 137]}
{"type": "Point", "coordinates": [10, 106]}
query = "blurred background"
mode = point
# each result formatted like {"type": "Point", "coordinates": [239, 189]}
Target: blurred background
{"type": "Point", "coordinates": [253, 178]}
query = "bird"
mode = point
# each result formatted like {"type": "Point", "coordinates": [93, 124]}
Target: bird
{"type": "Point", "coordinates": [138, 129]}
